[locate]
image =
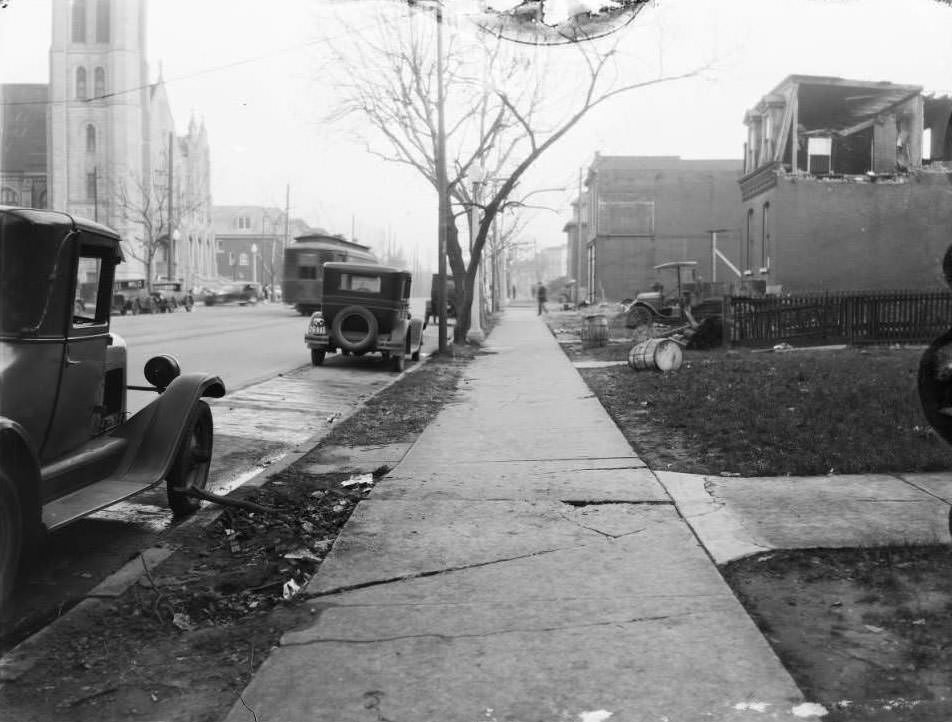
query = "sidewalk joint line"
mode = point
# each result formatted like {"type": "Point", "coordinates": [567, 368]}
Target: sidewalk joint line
{"type": "Point", "coordinates": [916, 486]}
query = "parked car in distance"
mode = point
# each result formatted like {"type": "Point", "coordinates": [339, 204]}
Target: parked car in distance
{"type": "Point", "coordinates": [68, 447]}
{"type": "Point", "coordinates": [131, 295]}
{"type": "Point", "coordinates": [365, 309]}
{"type": "Point", "coordinates": [240, 293]}
{"type": "Point", "coordinates": [433, 305]}
{"type": "Point", "coordinates": [170, 295]}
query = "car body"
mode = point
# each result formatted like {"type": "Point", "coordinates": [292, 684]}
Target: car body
{"type": "Point", "coordinates": [433, 304]}
{"type": "Point", "coordinates": [692, 300]}
{"type": "Point", "coordinates": [67, 444]}
{"type": "Point", "coordinates": [171, 295]}
{"type": "Point", "coordinates": [131, 295]}
{"type": "Point", "coordinates": [365, 309]}
{"type": "Point", "coordinates": [241, 293]}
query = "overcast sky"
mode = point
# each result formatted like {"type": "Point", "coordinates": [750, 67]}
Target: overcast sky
{"type": "Point", "coordinates": [264, 111]}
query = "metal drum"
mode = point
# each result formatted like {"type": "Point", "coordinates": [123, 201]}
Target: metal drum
{"type": "Point", "coordinates": [661, 354]}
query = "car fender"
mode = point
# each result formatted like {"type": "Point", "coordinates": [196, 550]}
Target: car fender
{"type": "Point", "coordinates": [155, 433]}
{"type": "Point", "coordinates": [19, 458]}
{"type": "Point", "coordinates": [416, 333]}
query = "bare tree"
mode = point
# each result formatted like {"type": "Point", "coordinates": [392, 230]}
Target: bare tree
{"type": "Point", "coordinates": [143, 204]}
{"type": "Point", "coordinates": [506, 105]}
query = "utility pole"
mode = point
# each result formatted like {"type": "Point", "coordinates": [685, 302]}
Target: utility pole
{"type": "Point", "coordinates": [287, 229]}
{"type": "Point", "coordinates": [96, 193]}
{"type": "Point", "coordinates": [171, 268]}
{"type": "Point", "coordinates": [578, 243]}
{"type": "Point", "coordinates": [441, 178]}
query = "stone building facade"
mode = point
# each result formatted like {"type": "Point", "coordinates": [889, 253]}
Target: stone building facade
{"type": "Point", "coordinates": [106, 148]}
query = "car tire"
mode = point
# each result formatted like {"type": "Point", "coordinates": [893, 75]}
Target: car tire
{"type": "Point", "coordinates": [362, 345]}
{"type": "Point", "coordinates": [192, 461]}
{"type": "Point", "coordinates": [317, 356]}
{"type": "Point", "coordinates": [638, 315]}
{"type": "Point", "coordinates": [123, 311]}
{"type": "Point", "coordinates": [11, 535]}
{"type": "Point", "coordinates": [415, 356]}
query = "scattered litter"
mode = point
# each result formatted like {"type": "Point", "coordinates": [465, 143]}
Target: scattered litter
{"type": "Point", "coordinates": [337, 508]}
{"type": "Point", "coordinates": [810, 709]}
{"type": "Point", "coordinates": [232, 536]}
{"type": "Point", "coordinates": [780, 347]}
{"type": "Point", "coordinates": [291, 588]}
{"type": "Point", "coordinates": [730, 473]}
{"type": "Point", "coordinates": [307, 527]}
{"type": "Point", "coordinates": [333, 417]}
{"type": "Point", "coordinates": [918, 621]}
{"type": "Point", "coordinates": [154, 696]}
{"type": "Point", "coordinates": [367, 479]}
{"type": "Point", "coordinates": [302, 553]}
{"type": "Point", "coordinates": [323, 545]}
{"type": "Point", "coordinates": [183, 621]}
{"type": "Point", "coordinates": [765, 557]}
{"type": "Point", "coordinates": [873, 628]}
{"type": "Point", "coordinates": [319, 494]}
{"type": "Point", "coordinates": [597, 716]}
{"type": "Point", "coordinates": [753, 706]}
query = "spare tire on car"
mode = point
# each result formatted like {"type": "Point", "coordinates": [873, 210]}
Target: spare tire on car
{"type": "Point", "coordinates": [363, 343]}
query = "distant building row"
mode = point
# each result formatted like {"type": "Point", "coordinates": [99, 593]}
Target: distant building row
{"type": "Point", "coordinates": [843, 185]}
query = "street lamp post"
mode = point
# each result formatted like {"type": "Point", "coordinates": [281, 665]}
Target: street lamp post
{"type": "Point", "coordinates": [440, 160]}
{"type": "Point", "coordinates": [254, 262]}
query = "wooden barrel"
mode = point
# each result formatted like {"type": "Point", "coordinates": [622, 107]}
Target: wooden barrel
{"type": "Point", "coordinates": [596, 330]}
{"type": "Point", "coordinates": [662, 354]}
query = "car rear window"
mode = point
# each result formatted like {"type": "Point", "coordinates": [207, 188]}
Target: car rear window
{"type": "Point", "coordinates": [359, 283]}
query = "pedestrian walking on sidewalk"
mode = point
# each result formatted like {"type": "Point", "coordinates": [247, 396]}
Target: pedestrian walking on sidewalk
{"type": "Point", "coordinates": [541, 298]}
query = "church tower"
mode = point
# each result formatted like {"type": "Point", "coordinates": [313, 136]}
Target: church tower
{"type": "Point", "coordinates": [99, 107]}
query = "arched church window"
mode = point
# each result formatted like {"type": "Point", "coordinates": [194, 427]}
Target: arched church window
{"type": "Point", "coordinates": [102, 21]}
{"type": "Point", "coordinates": [99, 87]}
{"type": "Point", "coordinates": [90, 139]}
{"type": "Point", "coordinates": [79, 21]}
{"type": "Point", "coordinates": [80, 83]}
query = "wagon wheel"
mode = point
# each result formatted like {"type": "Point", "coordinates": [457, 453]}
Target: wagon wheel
{"type": "Point", "coordinates": [11, 534]}
{"type": "Point", "coordinates": [192, 462]}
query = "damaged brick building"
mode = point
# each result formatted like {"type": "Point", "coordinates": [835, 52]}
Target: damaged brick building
{"type": "Point", "coordinates": [847, 185]}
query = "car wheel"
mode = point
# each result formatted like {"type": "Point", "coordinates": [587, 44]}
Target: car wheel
{"type": "Point", "coordinates": [317, 356]}
{"type": "Point", "coordinates": [192, 462]}
{"type": "Point", "coordinates": [638, 316]}
{"type": "Point", "coordinates": [123, 311]}
{"type": "Point", "coordinates": [11, 535]}
{"type": "Point", "coordinates": [415, 356]}
{"type": "Point", "coordinates": [399, 362]}
{"type": "Point", "coordinates": [367, 341]}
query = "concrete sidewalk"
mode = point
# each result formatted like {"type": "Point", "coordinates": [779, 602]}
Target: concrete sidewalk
{"type": "Point", "coordinates": [521, 564]}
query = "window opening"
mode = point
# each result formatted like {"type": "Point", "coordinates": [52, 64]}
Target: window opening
{"type": "Point", "coordinates": [99, 83]}
{"type": "Point", "coordinates": [80, 83]}
{"type": "Point", "coordinates": [79, 21]}
{"type": "Point", "coordinates": [102, 21]}
{"type": "Point", "coordinates": [90, 139]}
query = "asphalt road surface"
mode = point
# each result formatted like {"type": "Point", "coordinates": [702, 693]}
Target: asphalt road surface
{"type": "Point", "coordinates": [276, 403]}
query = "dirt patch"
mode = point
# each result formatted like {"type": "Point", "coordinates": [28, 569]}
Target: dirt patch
{"type": "Point", "coordinates": [184, 641]}
{"type": "Point", "coordinates": [865, 632]}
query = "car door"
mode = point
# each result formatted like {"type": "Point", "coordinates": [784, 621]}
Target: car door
{"type": "Point", "coordinates": [79, 404]}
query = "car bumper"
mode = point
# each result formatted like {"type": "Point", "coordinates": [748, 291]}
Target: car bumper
{"type": "Point", "coordinates": [318, 341]}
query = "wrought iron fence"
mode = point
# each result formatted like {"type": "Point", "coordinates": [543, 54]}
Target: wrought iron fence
{"type": "Point", "coordinates": [863, 317]}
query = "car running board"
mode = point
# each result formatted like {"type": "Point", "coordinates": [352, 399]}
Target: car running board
{"type": "Point", "coordinates": [90, 499]}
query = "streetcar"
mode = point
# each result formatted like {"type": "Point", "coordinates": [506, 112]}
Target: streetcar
{"type": "Point", "coordinates": [303, 260]}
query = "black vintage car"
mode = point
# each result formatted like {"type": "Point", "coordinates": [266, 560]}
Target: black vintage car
{"type": "Point", "coordinates": [240, 293]}
{"type": "Point", "coordinates": [433, 304]}
{"type": "Point", "coordinates": [170, 295]}
{"type": "Point", "coordinates": [365, 308]}
{"type": "Point", "coordinates": [131, 295]}
{"type": "Point", "coordinates": [67, 444]}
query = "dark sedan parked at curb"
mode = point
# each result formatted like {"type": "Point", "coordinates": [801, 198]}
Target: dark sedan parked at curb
{"type": "Point", "coordinates": [365, 308]}
{"type": "Point", "coordinates": [240, 293]}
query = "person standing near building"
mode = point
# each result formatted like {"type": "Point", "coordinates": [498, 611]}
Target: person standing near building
{"type": "Point", "coordinates": [541, 298]}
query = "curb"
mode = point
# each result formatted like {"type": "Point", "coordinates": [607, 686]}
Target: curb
{"type": "Point", "coordinates": [21, 658]}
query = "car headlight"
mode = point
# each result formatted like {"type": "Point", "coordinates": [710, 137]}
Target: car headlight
{"type": "Point", "coordinates": [316, 324]}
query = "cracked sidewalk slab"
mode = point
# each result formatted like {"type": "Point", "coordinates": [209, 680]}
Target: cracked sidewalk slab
{"type": "Point", "coordinates": [338, 459]}
{"type": "Point", "coordinates": [563, 479]}
{"type": "Point", "coordinates": [609, 623]}
{"type": "Point", "coordinates": [736, 517]}
{"type": "Point", "coordinates": [388, 539]}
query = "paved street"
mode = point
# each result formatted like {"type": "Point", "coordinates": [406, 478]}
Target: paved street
{"type": "Point", "coordinates": [276, 401]}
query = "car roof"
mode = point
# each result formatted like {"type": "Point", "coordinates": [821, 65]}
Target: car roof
{"type": "Point", "coordinates": [51, 220]}
{"type": "Point", "coordinates": [362, 267]}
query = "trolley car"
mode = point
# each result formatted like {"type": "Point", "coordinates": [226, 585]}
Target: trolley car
{"type": "Point", "coordinates": [303, 260]}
